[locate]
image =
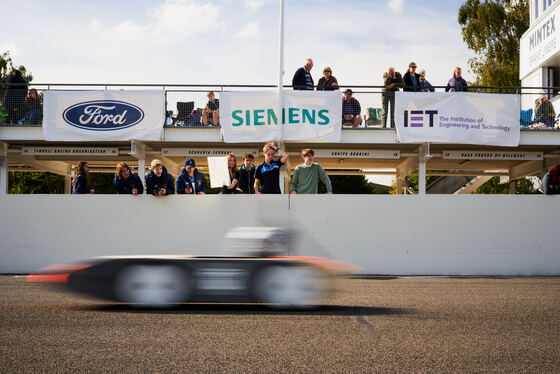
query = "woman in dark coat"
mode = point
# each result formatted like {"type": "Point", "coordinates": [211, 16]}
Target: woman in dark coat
{"type": "Point", "coordinates": [327, 81]}
{"type": "Point", "coordinates": [81, 181]}
{"type": "Point", "coordinates": [32, 107]}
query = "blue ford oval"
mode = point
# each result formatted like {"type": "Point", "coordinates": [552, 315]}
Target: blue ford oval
{"type": "Point", "coordinates": [103, 115]}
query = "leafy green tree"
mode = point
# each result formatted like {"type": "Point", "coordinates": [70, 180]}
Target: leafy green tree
{"type": "Point", "coordinates": [493, 186]}
{"type": "Point", "coordinates": [350, 184]}
{"type": "Point", "coordinates": [34, 183]}
{"type": "Point", "coordinates": [492, 29]}
{"type": "Point", "coordinates": [7, 66]}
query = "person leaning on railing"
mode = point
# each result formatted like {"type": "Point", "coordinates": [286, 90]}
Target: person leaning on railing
{"type": "Point", "coordinates": [327, 81]}
{"type": "Point", "coordinates": [158, 181]}
{"type": "Point", "coordinates": [302, 79]}
{"type": "Point", "coordinates": [191, 181]}
{"type": "Point", "coordinates": [247, 174]}
{"type": "Point", "coordinates": [126, 182]}
{"type": "Point", "coordinates": [412, 79]}
{"type": "Point", "coordinates": [457, 83]}
{"type": "Point", "coordinates": [306, 176]}
{"type": "Point", "coordinates": [392, 81]}
{"type": "Point", "coordinates": [80, 185]}
{"type": "Point", "coordinates": [426, 86]}
{"type": "Point", "coordinates": [544, 111]}
{"type": "Point", "coordinates": [551, 181]}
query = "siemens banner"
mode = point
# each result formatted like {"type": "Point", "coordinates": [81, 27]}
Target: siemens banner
{"type": "Point", "coordinates": [306, 115]}
{"type": "Point", "coordinates": [457, 117]}
{"type": "Point", "coordinates": [103, 115]}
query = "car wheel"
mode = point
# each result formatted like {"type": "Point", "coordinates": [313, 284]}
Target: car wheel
{"type": "Point", "coordinates": [152, 285]}
{"type": "Point", "coordinates": [289, 286]}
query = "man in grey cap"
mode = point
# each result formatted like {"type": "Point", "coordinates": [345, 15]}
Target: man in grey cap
{"type": "Point", "coordinates": [351, 110]}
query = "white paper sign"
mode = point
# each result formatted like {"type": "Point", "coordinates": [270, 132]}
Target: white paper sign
{"type": "Point", "coordinates": [457, 117]}
{"type": "Point", "coordinates": [103, 115]}
{"type": "Point", "coordinates": [307, 115]}
{"type": "Point", "coordinates": [218, 171]}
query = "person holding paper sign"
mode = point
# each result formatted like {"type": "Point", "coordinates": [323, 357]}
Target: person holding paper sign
{"type": "Point", "coordinates": [191, 181]}
{"type": "Point", "coordinates": [306, 176]}
{"type": "Point", "coordinates": [268, 173]}
{"type": "Point", "coordinates": [233, 176]}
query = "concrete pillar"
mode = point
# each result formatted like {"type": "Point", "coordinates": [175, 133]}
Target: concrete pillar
{"type": "Point", "coordinates": [422, 170]}
{"type": "Point", "coordinates": [3, 168]}
{"type": "Point", "coordinates": [511, 187]}
{"type": "Point", "coordinates": [138, 150]}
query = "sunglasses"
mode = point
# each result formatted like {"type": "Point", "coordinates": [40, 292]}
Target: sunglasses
{"type": "Point", "coordinates": [414, 67]}
{"type": "Point", "coordinates": [327, 71]}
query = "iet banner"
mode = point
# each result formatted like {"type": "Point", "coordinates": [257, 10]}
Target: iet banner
{"type": "Point", "coordinates": [103, 115]}
{"type": "Point", "coordinates": [457, 117]}
{"type": "Point", "coordinates": [306, 115]}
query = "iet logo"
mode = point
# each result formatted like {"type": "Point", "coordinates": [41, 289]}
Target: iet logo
{"type": "Point", "coordinates": [417, 117]}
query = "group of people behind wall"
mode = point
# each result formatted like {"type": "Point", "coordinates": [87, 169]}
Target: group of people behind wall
{"type": "Point", "coordinates": [20, 105]}
{"type": "Point", "coordinates": [393, 81]}
{"type": "Point", "coordinates": [248, 179]}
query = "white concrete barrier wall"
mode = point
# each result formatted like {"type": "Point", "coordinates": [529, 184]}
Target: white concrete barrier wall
{"type": "Point", "coordinates": [415, 235]}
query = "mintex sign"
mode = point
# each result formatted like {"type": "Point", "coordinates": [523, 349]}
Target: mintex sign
{"type": "Point", "coordinates": [540, 43]}
{"type": "Point", "coordinates": [256, 117]}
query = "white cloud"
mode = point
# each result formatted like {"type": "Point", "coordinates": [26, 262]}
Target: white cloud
{"type": "Point", "coordinates": [251, 30]}
{"type": "Point", "coordinates": [129, 30]}
{"type": "Point", "coordinates": [254, 4]}
{"type": "Point", "coordinates": [178, 19]}
{"type": "Point", "coordinates": [396, 5]}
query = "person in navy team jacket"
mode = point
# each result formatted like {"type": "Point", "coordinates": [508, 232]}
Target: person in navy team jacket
{"type": "Point", "coordinates": [127, 183]}
{"type": "Point", "coordinates": [158, 181]}
{"type": "Point", "coordinates": [81, 181]}
{"type": "Point", "coordinates": [302, 79]}
{"type": "Point", "coordinates": [191, 181]}
{"type": "Point", "coordinates": [457, 83]}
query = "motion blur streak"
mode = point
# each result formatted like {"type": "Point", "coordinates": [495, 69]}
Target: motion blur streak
{"type": "Point", "coordinates": [322, 263]}
{"type": "Point", "coordinates": [58, 274]}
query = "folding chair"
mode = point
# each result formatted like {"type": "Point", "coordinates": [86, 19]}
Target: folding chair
{"type": "Point", "coordinates": [374, 117]}
{"type": "Point", "coordinates": [184, 110]}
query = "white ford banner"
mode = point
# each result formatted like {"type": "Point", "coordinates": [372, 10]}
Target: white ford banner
{"type": "Point", "coordinates": [307, 115]}
{"type": "Point", "coordinates": [457, 117]}
{"type": "Point", "coordinates": [103, 115]}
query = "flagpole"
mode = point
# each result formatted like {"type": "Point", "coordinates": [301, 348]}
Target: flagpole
{"type": "Point", "coordinates": [281, 73]}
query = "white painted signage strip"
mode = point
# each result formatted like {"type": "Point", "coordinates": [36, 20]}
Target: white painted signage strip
{"type": "Point", "coordinates": [492, 155]}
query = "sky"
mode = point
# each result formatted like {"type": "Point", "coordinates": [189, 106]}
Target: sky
{"type": "Point", "coordinates": [231, 41]}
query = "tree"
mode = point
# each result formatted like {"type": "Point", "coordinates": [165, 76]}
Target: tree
{"type": "Point", "coordinates": [493, 186]}
{"type": "Point", "coordinates": [492, 29]}
{"type": "Point", "coordinates": [350, 184]}
{"type": "Point", "coordinates": [7, 67]}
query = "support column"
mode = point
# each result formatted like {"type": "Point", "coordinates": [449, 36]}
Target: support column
{"type": "Point", "coordinates": [399, 186]}
{"type": "Point", "coordinates": [511, 187]}
{"type": "Point", "coordinates": [138, 150]}
{"type": "Point", "coordinates": [3, 168]}
{"type": "Point", "coordinates": [422, 170]}
{"type": "Point", "coordinates": [68, 181]}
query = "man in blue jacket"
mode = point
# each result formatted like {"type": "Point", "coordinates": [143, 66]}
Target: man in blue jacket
{"type": "Point", "coordinates": [191, 181]}
{"type": "Point", "coordinates": [302, 79]}
{"type": "Point", "coordinates": [158, 181]}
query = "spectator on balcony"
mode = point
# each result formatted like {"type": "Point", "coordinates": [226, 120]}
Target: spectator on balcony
{"type": "Point", "coordinates": [81, 181]}
{"type": "Point", "coordinates": [247, 174]}
{"type": "Point", "coordinates": [32, 107]}
{"type": "Point", "coordinates": [551, 181]}
{"type": "Point", "coordinates": [457, 83]}
{"type": "Point", "coordinates": [392, 81]}
{"type": "Point", "coordinates": [327, 81]}
{"type": "Point", "coordinates": [306, 176]}
{"type": "Point", "coordinates": [424, 84]}
{"type": "Point", "coordinates": [212, 110]}
{"type": "Point", "coordinates": [412, 79]}
{"type": "Point", "coordinates": [14, 97]}
{"type": "Point", "coordinates": [351, 110]}
{"type": "Point", "coordinates": [158, 181]}
{"type": "Point", "coordinates": [302, 79]}
{"type": "Point", "coordinates": [544, 111]}
{"type": "Point", "coordinates": [268, 173]}
{"type": "Point", "coordinates": [233, 175]}
{"type": "Point", "coordinates": [127, 183]}
{"type": "Point", "coordinates": [191, 181]}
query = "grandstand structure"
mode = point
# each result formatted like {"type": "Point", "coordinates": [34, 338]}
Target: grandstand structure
{"type": "Point", "coordinates": [366, 150]}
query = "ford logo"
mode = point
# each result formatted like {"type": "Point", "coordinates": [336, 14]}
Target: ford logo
{"type": "Point", "coordinates": [103, 115]}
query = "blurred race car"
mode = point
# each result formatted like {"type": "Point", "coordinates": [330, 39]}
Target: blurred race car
{"type": "Point", "coordinates": [259, 271]}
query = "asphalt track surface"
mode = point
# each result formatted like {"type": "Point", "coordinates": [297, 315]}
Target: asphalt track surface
{"type": "Point", "coordinates": [391, 325]}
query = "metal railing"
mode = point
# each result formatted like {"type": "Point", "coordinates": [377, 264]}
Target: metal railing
{"type": "Point", "coordinates": [21, 104]}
